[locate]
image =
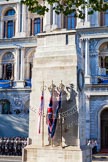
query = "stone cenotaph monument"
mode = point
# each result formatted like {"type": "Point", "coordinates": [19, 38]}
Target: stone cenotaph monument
{"type": "Point", "coordinates": [57, 69]}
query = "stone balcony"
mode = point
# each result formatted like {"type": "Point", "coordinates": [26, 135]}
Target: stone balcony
{"type": "Point", "coordinates": [97, 89]}
{"type": "Point", "coordinates": [99, 79]}
{"type": "Point", "coordinates": [4, 84]}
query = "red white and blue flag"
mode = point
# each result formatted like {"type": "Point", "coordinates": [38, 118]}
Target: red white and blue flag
{"type": "Point", "coordinates": [41, 109]}
{"type": "Point", "coordinates": [50, 114]}
{"type": "Point", "coordinates": [52, 121]}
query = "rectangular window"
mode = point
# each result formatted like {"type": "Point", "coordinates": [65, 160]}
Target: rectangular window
{"type": "Point", "coordinates": [37, 26]}
{"type": "Point", "coordinates": [106, 18]}
{"type": "Point", "coordinates": [4, 32]}
{"type": "Point", "coordinates": [71, 21]}
{"type": "Point", "coordinates": [30, 27]}
{"type": "Point", "coordinates": [10, 29]}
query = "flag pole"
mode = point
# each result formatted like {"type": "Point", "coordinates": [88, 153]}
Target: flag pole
{"type": "Point", "coordinates": [51, 90]}
{"type": "Point", "coordinates": [52, 97]}
{"type": "Point", "coordinates": [61, 88]}
{"type": "Point", "coordinates": [43, 118]}
{"type": "Point", "coordinates": [61, 126]}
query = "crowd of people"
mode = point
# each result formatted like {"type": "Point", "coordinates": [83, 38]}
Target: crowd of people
{"type": "Point", "coordinates": [12, 146]}
{"type": "Point", "coordinates": [93, 145]}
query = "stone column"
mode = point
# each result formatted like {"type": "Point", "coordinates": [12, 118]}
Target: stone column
{"type": "Point", "coordinates": [16, 67]}
{"type": "Point", "coordinates": [24, 25]}
{"type": "Point", "coordinates": [28, 29]}
{"type": "Point", "coordinates": [87, 104]}
{"type": "Point", "coordinates": [19, 68]}
{"type": "Point", "coordinates": [28, 70]}
{"type": "Point", "coordinates": [22, 64]}
{"type": "Point", "coordinates": [87, 62]}
{"type": "Point", "coordinates": [17, 27]}
{"type": "Point", "coordinates": [86, 14]}
{"type": "Point", "coordinates": [1, 29]}
{"type": "Point", "coordinates": [32, 27]}
{"type": "Point", "coordinates": [86, 57]}
{"type": "Point", "coordinates": [47, 20]}
{"type": "Point", "coordinates": [4, 76]}
{"type": "Point", "coordinates": [54, 25]}
{"type": "Point", "coordinates": [41, 27]}
{"type": "Point", "coordinates": [86, 22]}
{"type": "Point", "coordinates": [0, 70]}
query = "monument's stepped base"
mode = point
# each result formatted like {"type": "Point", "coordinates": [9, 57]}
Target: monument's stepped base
{"type": "Point", "coordinates": [57, 154]}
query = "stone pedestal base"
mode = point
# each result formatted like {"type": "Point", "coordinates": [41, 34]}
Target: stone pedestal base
{"type": "Point", "coordinates": [20, 84]}
{"type": "Point", "coordinates": [87, 79]}
{"type": "Point", "coordinates": [56, 154]}
{"type": "Point", "coordinates": [22, 34]}
{"type": "Point", "coordinates": [54, 27]}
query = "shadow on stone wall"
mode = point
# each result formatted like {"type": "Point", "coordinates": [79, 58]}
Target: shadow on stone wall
{"type": "Point", "coordinates": [67, 123]}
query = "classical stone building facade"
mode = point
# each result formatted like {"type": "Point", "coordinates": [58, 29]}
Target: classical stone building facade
{"type": "Point", "coordinates": [17, 48]}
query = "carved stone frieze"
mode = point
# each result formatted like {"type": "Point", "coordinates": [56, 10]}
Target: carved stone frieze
{"type": "Point", "coordinates": [17, 100]}
{"type": "Point", "coordinates": [8, 56]}
{"type": "Point", "coordinates": [92, 46]}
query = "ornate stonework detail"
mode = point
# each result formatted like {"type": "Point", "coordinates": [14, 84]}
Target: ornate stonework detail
{"type": "Point", "coordinates": [8, 56]}
{"type": "Point", "coordinates": [17, 100]}
{"type": "Point", "coordinates": [92, 45]}
{"type": "Point", "coordinates": [78, 44]}
{"type": "Point", "coordinates": [88, 32]}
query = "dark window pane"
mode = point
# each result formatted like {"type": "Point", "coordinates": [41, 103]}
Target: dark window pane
{"type": "Point", "coordinates": [4, 30]}
{"type": "Point", "coordinates": [10, 12]}
{"type": "Point", "coordinates": [8, 71]}
{"type": "Point", "coordinates": [10, 29]}
{"type": "Point", "coordinates": [30, 26]}
{"type": "Point", "coordinates": [71, 21]}
{"type": "Point", "coordinates": [106, 18]}
{"type": "Point", "coordinates": [37, 26]}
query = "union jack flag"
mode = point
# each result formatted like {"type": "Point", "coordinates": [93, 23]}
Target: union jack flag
{"type": "Point", "coordinates": [53, 120]}
{"type": "Point", "coordinates": [50, 114]}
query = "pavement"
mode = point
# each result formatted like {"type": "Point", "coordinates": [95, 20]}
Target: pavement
{"type": "Point", "coordinates": [14, 125]}
{"type": "Point", "coordinates": [10, 158]}
{"type": "Point", "coordinates": [95, 158]}
{"type": "Point", "coordinates": [100, 157]}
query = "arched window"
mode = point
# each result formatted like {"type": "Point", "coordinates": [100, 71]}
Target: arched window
{"type": "Point", "coordinates": [104, 18]}
{"type": "Point", "coordinates": [9, 24]}
{"type": "Point", "coordinates": [5, 107]}
{"type": "Point", "coordinates": [8, 66]}
{"type": "Point", "coordinates": [103, 59]}
{"type": "Point", "coordinates": [70, 21]}
{"type": "Point", "coordinates": [10, 12]}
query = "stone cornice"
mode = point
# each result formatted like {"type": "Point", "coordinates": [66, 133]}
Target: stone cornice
{"type": "Point", "coordinates": [22, 39]}
{"type": "Point", "coordinates": [57, 32]}
{"type": "Point", "coordinates": [28, 90]}
{"type": "Point", "coordinates": [10, 2]}
{"type": "Point", "coordinates": [15, 42]}
{"type": "Point", "coordinates": [93, 32]}
{"type": "Point", "coordinates": [96, 89]}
